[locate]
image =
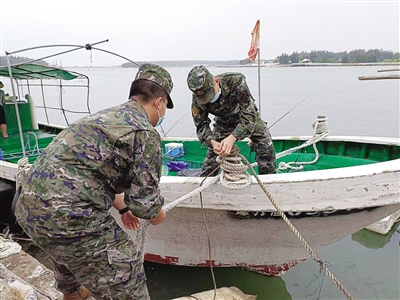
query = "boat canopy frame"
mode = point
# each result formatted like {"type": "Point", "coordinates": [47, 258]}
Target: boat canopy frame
{"type": "Point", "coordinates": [19, 72]}
{"type": "Point", "coordinates": [27, 75]}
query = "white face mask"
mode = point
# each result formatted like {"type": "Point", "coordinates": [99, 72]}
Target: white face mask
{"type": "Point", "coordinates": [216, 96]}
{"type": "Point", "coordinates": [160, 119]}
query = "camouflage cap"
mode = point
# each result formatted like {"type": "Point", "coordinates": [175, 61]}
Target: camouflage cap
{"type": "Point", "coordinates": [1, 85]}
{"type": "Point", "coordinates": [201, 82]}
{"type": "Point", "coordinates": [158, 75]}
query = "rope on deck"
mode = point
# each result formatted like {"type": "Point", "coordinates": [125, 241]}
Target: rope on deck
{"type": "Point", "coordinates": [233, 176]}
{"type": "Point", "coordinates": [321, 131]}
{"type": "Point", "coordinates": [233, 170]}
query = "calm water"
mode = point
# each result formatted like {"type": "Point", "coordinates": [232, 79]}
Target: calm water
{"type": "Point", "coordinates": [366, 263]}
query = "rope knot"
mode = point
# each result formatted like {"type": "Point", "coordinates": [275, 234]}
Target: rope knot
{"type": "Point", "coordinates": [234, 174]}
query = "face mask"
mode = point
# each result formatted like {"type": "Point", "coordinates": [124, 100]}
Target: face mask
{"type": "Point", "coordinates": [216, 96]}
{"type": "Point", "coordinates": [160, 120]}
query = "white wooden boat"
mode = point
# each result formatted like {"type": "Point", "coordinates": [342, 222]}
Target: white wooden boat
{"type": "Point", "coordinates": [324, 204]}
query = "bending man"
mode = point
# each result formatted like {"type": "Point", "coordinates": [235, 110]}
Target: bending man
{"type": "Point", "coordinates": [228, 98]}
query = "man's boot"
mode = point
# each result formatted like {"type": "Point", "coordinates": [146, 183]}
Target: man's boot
{"type": "Point", "coordinates": [82, 293]}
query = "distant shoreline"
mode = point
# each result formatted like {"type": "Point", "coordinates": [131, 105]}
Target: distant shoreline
{"type": "Point", "coordinates": [268, 65]}
{"type": "Point", "coordinates": [313, 65]}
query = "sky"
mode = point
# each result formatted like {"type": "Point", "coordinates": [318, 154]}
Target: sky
{"type": "Point", "coordinates": [193, 30]}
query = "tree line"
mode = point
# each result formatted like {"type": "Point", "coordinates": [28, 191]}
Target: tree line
{"type": "Point", "coordinates": [354, 56]}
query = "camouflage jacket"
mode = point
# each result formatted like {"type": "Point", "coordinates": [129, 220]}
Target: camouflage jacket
{"type": "Point", "coordinates": [73, 183]}
{"type": "Point", "coordinates": [2, 97]}
{"type": "Point", "coordinates": [235, 108]}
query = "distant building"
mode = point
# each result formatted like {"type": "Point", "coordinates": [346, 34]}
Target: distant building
{"type": "Point", "coordinates": [306, 61]}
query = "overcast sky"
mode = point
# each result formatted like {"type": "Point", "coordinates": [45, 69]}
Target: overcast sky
{"type": "Point", "coordinates": [195, 30]}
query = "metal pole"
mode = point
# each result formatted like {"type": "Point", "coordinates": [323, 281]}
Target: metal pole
{"type": "Point", "coordinates": [16, 106]}
{"type": "Point", "coordinates": [87, 46]}
{"type": "Point", "coordinates": [259, 83]}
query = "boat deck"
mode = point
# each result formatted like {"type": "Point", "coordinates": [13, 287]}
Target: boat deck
{"type": "Point", "coordinates": [33, 141]}
{"type": "Point", "coordinates": [332, 154]}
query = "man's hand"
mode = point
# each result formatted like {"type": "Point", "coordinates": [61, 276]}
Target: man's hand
{"type": "Point", "coordinates": [130, 221]}
{"type": "Point", "coordinates": [216, 146]}
{"type": "Point", "coordinates": [226, 145]}
{"type": "Point", "coordinates": [159, 218]}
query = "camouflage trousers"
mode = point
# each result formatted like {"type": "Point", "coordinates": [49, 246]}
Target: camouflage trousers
{"type": "Point", "coordinates": [106, 264]}
{"type": "Point", "coordinates": [262, 143]}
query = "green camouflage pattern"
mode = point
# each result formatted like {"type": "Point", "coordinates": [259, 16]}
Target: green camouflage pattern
{"type": "Point", "coordinates": [105, 264]}
{"type": "Point", "coordinates": [201, 82]}
{"type": "Point", "coordinates": [158, 75]}
{"type": "Point", "coordinates": [77, 176]}
{"type": "Point", "coordinates": [2, 98]}
{"type": "Point", "coordinates": [235, 113]}
{"type": "Point", "coordinates": [64, 201]}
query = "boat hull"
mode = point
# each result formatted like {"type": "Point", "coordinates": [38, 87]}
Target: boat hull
{"type": "Point", "coordinates": [263, 245]}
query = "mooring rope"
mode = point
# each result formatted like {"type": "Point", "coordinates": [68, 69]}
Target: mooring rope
{"type": "Point", "coordinates": [321, 131]}
{"type": "Point", "coordinates": [233, 170]}
{"type": "Point", "coordinates": [314, 256]}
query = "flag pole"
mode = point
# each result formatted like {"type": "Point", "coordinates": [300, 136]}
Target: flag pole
{"type": "Point", "coordinates": [259, 82]}
{"type": "Point", "coordinates": [253, 53]}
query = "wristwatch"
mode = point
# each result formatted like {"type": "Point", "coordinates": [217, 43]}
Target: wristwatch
{"type": "Point", "coordinates": [124, 210]}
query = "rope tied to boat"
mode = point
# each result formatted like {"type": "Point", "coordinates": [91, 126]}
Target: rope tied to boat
{"type": "Point", "coordinates": [321, 131]}
{"type": "Point", "coordinates": [234, 175]}
{"type": "Point", "coordinates": [22, 171]}
{"type": "Point", "coordinates": [232, 169]}
{"type": "Point", "coordinates": [313, 255]}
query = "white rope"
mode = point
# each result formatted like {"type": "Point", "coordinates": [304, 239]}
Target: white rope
{"type": "Point", "coordinates": [321, 131]}
{"type": "Point", "coordinates": [22, 171]}
{"type": "Point", "coordinates": [234, 176]}
{"type": "Point", "coordinates": [142, 232]}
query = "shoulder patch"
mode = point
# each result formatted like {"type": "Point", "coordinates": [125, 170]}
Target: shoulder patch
{"type": "Point", "coordinates": [195, 111]}
{"type": "Point", "coordinates": [241, 96]}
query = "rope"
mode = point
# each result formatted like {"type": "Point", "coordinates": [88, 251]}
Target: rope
{"type": "Point", "coordinates": [233, 176]}
{"type": "Point", "coordinates": [321, 131]}
{"type": "Point", "coordinates": [233, 171]}
{"type": "Point", "coordinates": [314, 256]}
{"type": "Point", "coordinates": [142, 232]}
{"type": "Point", "coordinates": [22, 171]}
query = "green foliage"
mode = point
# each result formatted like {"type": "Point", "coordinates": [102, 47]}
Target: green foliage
{"type": "Point", "coordinates": [354, 56]}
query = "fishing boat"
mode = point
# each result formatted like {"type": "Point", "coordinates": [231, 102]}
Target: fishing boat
{"type": "Point", "coordinates": [328, 186]}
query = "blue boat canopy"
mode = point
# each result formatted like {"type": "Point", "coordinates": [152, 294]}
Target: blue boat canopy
{"type": "Point", "coordinates": [34, 71]}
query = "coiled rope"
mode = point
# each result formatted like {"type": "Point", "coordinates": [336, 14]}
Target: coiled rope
{"type": "Point", "coordinates": [233, 170]}
{"type": "Point", "coordinates": [321, 131]}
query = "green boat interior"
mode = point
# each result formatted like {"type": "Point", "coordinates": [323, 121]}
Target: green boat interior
{"type": "Point", "coordinates": [332, 154]}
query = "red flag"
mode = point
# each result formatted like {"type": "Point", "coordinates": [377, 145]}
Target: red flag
{"type": "Point", "coordinates": [255, 40]}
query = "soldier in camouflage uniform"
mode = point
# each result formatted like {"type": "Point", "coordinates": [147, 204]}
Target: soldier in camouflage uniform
{"type": "Point", "coordinates": [64, 201]}
{"type": "Point", "coordinates": [228, 98]}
